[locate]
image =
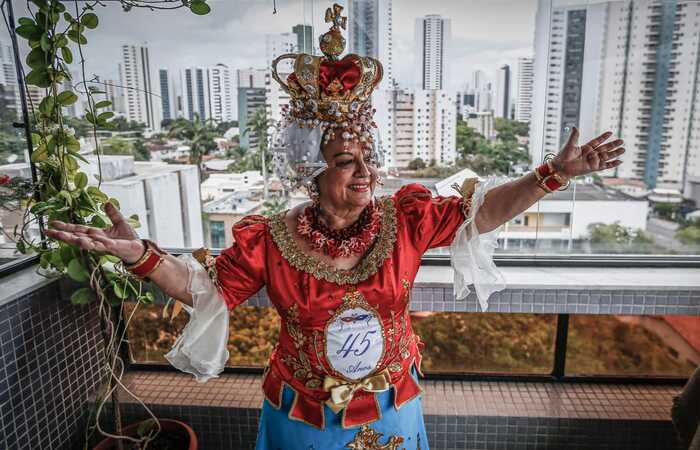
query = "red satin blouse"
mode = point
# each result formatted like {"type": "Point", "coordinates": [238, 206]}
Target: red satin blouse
{"type": "Point", "coordinates": [310, 295]}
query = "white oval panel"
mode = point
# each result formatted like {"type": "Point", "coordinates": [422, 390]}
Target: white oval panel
{"type": "Point", "coordinates": [354, 342]}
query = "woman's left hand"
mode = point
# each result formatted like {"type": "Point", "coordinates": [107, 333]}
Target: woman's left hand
{"type": "Point", "coordinates": [594, 156]}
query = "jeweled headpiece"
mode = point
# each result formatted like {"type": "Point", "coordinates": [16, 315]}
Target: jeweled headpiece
{"type": "Point", "coordinates": [328, 96]}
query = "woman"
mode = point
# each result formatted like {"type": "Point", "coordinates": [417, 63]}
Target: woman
{"type": "Point", "coordinates": [339, 269]}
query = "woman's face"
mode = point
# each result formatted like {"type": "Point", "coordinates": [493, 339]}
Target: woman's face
{"type": "Point", "coordinates": [351, 176]}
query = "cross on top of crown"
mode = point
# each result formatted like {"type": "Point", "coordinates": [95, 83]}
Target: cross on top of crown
{"type": "Point", "coordinates": [333, 15]}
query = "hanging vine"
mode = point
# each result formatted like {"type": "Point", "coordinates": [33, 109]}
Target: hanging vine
{"type": "Point", "coordinates": [57, 32]}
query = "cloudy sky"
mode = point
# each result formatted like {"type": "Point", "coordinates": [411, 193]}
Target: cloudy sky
{"type": "Point", "coordinates": [485, 34]}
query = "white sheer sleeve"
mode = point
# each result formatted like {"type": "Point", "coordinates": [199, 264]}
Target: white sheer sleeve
{"type": "Point", "coordinates": [201, 348]}
{"type": "Point", "coordinates": [472, 253]}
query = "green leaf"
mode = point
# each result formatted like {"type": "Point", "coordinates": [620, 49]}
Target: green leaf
{"type": "Point", "coordinates": [45, 260]}
{"type": "Point", "coordinates": [81, 296]}
{"type": "Point", "coordinates": [56, 259]}
{"type": "Point", "coordinates": [39, 77]}
{"type": "Point", "coordinates": [103, 104]}
{"type": "Point", "coordinates": [76, 37]}
{"type": "Point", "coordinates": [78, 155]}
{"type": "Point", "coordinates": [66, 255]}
{"type": "Point", "coordinates": [40, 153]}
{"type": "Point", "coordinates": [46, 105]}
{"type": "Point", "coordinates": [114, 202]}
{"type": "Point", "coordinates": [25, 21]}
{"type": "Point", "coordinates": [97, 194]}
{"type": "Point", "coordinates": [59, 7]}
{"type": "Point", "coordinates": [109, 258]}
{"type": "Point", "coordinates": [36, 59]}
{"type": "Point", "coordinates": [72, 144]}
{"type": "Point", "coordinates": [60, 41]}
{"type": "Point", "coordinates": [105, 115]}
{"type": "Point", "coordinates": [67, 55]}
{"type": "Point", "coordinates": [77, 272]}
{"type": "Point", "coordinates": [66, 98]}
{"type": "Point", "coordinates": [120, 290]}
{"type": "Point", "coordinates": [70, 163]}
{"type": "Point", "coordinates": [28, 31]}
{"type": "Point", "coordinates": [89, 117]}
{"type": "Point", "coordinates": [66, 196]}
{"type": "Point", "coordinates": [98, 221]}
{"type": "Point", "coordinates": [21, 247]}
{"type": "Point", "coordinates": [90, 20]}
{"type": "Point", "coordinates": [67, 17]}
{"type": "Point", "coordinates": [133, 220]}
{"type": "Point", "coordinates": [80, 180]}
{"type": "Point", "coordinates": [199, 7]}
{"type": "Point", "coordinates": [45, 42]}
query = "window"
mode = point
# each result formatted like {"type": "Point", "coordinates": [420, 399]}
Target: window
{"type": "Point", "coordinates": [217, 234]}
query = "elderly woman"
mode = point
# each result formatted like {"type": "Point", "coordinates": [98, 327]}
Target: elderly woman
{"type": "Point", "coordinates": [339, 269]}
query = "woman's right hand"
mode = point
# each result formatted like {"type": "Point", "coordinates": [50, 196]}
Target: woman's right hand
{"type": "Point", "coordinates": [119, 240]}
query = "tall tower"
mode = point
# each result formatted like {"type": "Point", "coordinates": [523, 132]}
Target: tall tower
{"type": "Point", "coordinates": [503, 92]}
{"type": "Point", "coordinates": [305, 38]}
{"type": "Point", "coordinates": [221, 84]}
{"type": "Point", "coordinates": [196, 93]}
{"type": "Point", "coordinates": [251, 98]}
{"type": "Point", "coordinates": [432, 36]}
{"type": "Point", "coordinates": [523, 104]}
{"type": "Point", "coordinates": [275, 96]}
{"type": "Point", "coordinates": [370, 34]}
{"type": "Point", "coordinates": [166, 94]}
{"type": "Point", "coordinates": [135, 73]}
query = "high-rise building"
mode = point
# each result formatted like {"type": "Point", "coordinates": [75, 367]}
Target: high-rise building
{"type": "Point", "coordinates": [523, 105]}
{"type": "Point", "coordinates": [196, 93]}
{"type": "Point", "coordinates": [424, 126]}
{"type": "Point", "coordinates": [277, 45]}
{"type": "Point", "coordinates": [167, 94]}
{"type": "Point", "coordinates": [370, 34]}
{"type": "Point", "coordinates": [8, 79]}
{"type": "Point", "coordinates": [305, 38]}
{"type": "Point", "coordinates": [630, 67]}
{"type": "Point", "coordinates": [432, 35]}
{"type": "Point", "coordinates": [221, 84]}
{"type": "Point", "coordinates": [135, 74]}
{"type": "Point", "coordinates": [503, 98]}
{"type": "Point", "coordinates": [251, 98]}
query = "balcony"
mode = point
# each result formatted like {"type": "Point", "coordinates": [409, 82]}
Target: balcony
{"type": "Point", "coordinates": [50, 351]}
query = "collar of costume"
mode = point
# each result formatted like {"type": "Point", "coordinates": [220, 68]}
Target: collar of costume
{"type": "Point", "coordinates": [329, 96]}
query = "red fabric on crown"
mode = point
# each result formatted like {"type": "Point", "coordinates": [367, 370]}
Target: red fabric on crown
{"type": "Point", "coordinates": [346, 71]}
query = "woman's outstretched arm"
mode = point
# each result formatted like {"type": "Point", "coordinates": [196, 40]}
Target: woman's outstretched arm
{"type": "Point", "coordinates": [506, 201]}
{"type": "Point", "coordinates": [121, 240]}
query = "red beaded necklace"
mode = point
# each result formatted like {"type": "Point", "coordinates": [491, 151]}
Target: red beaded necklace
{"type": "Point", "coordinates": [352, 240]}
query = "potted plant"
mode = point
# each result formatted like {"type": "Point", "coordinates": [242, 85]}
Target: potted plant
{"type": "Point", "coordinates": [56, 32]}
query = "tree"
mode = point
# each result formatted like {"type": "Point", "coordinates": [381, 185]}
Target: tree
{"type": "Point", "coordinates": [199, 135]}
{"type": "Point", "coordinates": [274, 206]}
{"type": "Point", "coordinates": [417, 164]}
{"type": "Point", "coordinates": [689, 234]}
{"type": "Point", "coordinates": [668, 211]}
{"type": "Point", "coordinates": [259, 124]}
{"type": "Point", "coordinates": [616, 238]}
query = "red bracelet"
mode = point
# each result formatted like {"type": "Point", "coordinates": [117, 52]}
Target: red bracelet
{"type": "Point", "coordinates": [149, 262]}
{"type": "Point", "coordinates": [544, 170]}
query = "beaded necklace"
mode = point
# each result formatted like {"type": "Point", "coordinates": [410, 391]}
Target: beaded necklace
{"type": "Point", "coordinates": [352, 240]}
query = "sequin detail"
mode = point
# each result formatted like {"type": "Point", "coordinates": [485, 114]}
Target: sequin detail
{"type": "Point", "coordinates": [368, 439]}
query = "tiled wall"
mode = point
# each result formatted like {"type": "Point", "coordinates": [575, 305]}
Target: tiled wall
{"type": "Point", "coordinates": [439, 297]}
{"type": "Point", "coordinates": [48, 368]}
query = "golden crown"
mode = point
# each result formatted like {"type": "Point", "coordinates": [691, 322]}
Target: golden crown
{"type": "Point", "coordinates": [328, 89]}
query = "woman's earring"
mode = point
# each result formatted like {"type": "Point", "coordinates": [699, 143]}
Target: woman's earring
{"type": "Point", "coordinates": [379, 181]}
{"type": "Point", "coordinates": [313, 193]}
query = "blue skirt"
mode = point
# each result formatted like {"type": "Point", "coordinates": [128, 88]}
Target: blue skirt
{"type": "Point", "coordinates": [278, 432]}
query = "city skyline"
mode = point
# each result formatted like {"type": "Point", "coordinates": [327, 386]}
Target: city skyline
{"type": "Point", "coordinates": [239, 40]}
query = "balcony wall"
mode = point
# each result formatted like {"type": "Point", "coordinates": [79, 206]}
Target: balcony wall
{"type": "Point", "coordinates": [49, 352]}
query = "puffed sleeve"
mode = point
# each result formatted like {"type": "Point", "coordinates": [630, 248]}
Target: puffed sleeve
{"type": "Point", "coordinates": [217, 285]}
{"type": "Point", "coordinates": [433, 221]}
{"type": "Point", "coordinates": [439, 221]}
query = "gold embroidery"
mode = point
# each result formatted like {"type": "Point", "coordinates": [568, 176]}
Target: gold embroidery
{"type": "Point", "coordinates": [466, 190]}
{"type": "Point", "coordinates": [368, 439]}
{"type": "Point", "coordinates": [300, 363]}
{"type": "Point", "coordinates": [204, 258]}
{"type": "Point", "coordinates": [369, 265]}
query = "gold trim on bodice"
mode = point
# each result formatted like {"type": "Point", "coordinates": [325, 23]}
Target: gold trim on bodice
{"type": "Point", "coordinates": [368, 266]}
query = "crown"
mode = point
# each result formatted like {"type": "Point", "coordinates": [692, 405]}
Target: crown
{"type": "Point", "coordinates": [328, 89]}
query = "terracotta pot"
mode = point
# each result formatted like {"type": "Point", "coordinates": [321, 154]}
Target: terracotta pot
{"type": "Point", "coordinates": [165, 424]}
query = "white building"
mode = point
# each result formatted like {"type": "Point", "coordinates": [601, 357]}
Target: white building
{"type": "Point", "coordinates": [523, 104]}
{"type": "Point", "coordinates": [432, 36]}
{"type": "Point", "coordinates": [626, 66]}
{"type": "Point", "coordinates": [168, 95]}
{"type": "Point", "coordinates": [251, 97]}
{"type": "Point", "coordinates": [435, 124]}
{"type": "Point", "coordinates": [165, 197]}
{"type": "Point", "coordinates": [219, 185]}
{"type": "Point", "coordinates": [557, 222]}
{"type": "Point", "coordinates": [503, 92]}
{"type": "Point", "coordinates": [222, 93]}
{"type": "Point", "coordinates": [275, 97]}
{"type": "Point", "coordinates": [8, 79]}
{"type": "Point", "coordinates": [224, 213]}
{"type": "Point", "coordinates": [135, 73]}
{"type": "Point", "coordinates": [482, 123]}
